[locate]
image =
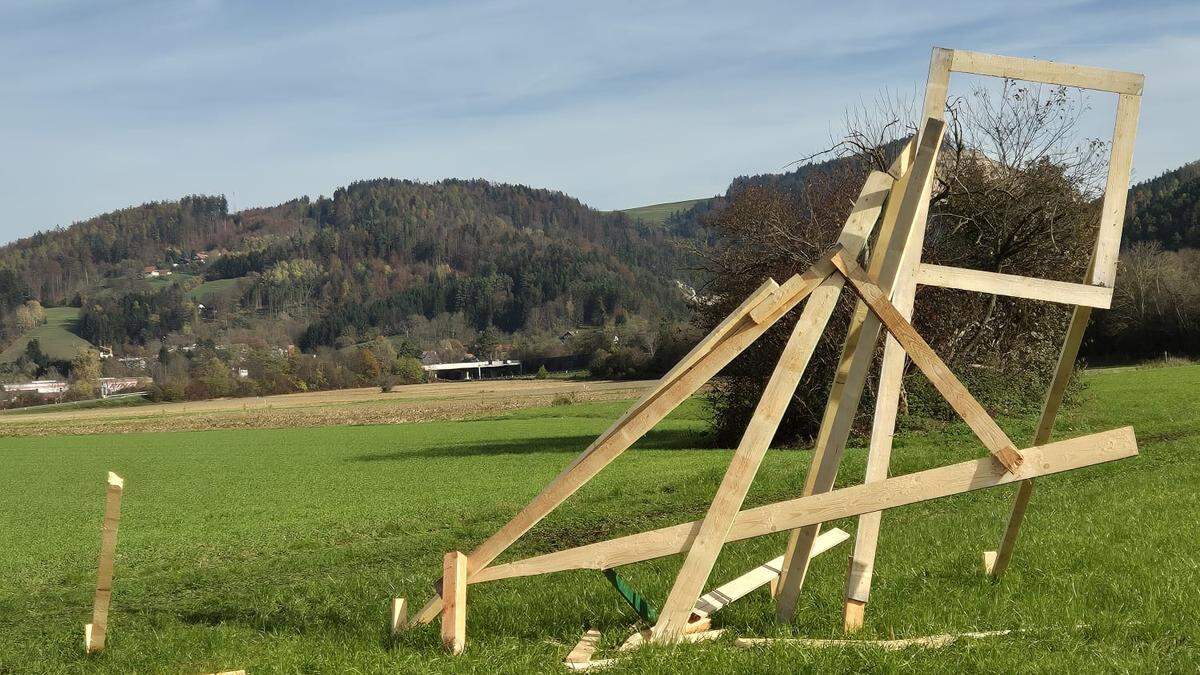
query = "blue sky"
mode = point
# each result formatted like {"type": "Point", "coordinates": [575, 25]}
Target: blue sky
{"type": "Point", "coordinates": [108, 104]}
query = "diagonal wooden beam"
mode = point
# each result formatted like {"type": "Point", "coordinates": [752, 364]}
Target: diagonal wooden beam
{"type": "Point", "coordinates": [593, 460]}
{"type": "Point", "coordinates": [993, 437]}
{"type": "Point", "coordinates": [1075, 453]}
{"type": "Point", "coordinates": [806, 334]}
{"type": "Point", "coordinates": [902, 218]}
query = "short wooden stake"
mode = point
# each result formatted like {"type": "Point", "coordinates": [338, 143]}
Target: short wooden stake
{"type": "Point", "coordinates": [989, 561]}
{"type": "Point", "coordinates": [454, 601]}
{"type": "Point", "coordinates": [399, 615]}
{"type": "Point", "coordinates": [95, 633]}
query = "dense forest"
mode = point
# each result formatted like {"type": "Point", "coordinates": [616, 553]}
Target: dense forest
{"type": "Point", "coordinates": [1166, 209]}
{"type": "Point", "coordinates": [372, 258]}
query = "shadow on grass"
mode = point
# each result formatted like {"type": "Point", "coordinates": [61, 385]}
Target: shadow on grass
{"type": "Point", "coordinates": [655, 440]}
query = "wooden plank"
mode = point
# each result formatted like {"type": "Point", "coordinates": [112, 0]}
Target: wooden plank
{"type": "Point", "coordinates": [695, 631]}
{"type": "Point", "coordinates": [399, 615]}
{"type": "Point", "coordinates": [736, 589]}
{"type": "Point", "coordinates": [454, 600]}
{"type": "Point", "coordinates": [1049, 72]}
{"type": "Point", "coordinates": [1014, 286]}
{"type": "Point", "coordinates": [993, 437]}
{"type": "Point", "coordinates": [1000, 558]}
{"type": "Point", "coordinates": [584, 649]}
{"type": "Point", "coordinates": [593, 461]}
{"type": "Point", "coordinates": [1116, 190]}
{"type": "Point", "coordinates": [899, 219]}
{"type": "Point", "coordinates": [95, 634]}
{"type": "Point", "coordinates": [847, 502]}
{"type": "Point", "coordinates": [929, 642]}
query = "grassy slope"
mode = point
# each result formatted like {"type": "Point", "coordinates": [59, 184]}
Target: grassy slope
{"type": "Point", "coordinates": [208, 289]}
{"type": "Point", "coordinates": [657, 213]}
{"type": "Point", "coordinates": [276, 550]}
{"type": "Point", "coordinates": [55, 336]}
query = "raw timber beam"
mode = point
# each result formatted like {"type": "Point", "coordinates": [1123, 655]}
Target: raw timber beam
{"type": "Point", "coordinates": [1014, 286]}
{"type": "Point", "coordinates": [851, 501]}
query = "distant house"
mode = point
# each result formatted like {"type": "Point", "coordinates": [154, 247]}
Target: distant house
{"type": "Point", "coordinates": [138, 362]}
{"type": "Point", "coordinates": [474, 370]}
{"type": "Point", "coordinates": [152, 271]}
{"type": "Point", "coordinates": [106, 352]}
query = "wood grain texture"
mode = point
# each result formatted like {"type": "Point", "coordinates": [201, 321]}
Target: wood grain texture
{"type": "Point", "coordinates": [1116, 190]}
{"type": "Point", "coordinates": [851, 501]}
{"type": "Point", "coordinates": [454, 600]}
{"type": "Point", "coordinates": [1049, 72]}
{"type": "Point", "coordinates": [584, 649]}
{"type": "Point", "coordinates": [95, 634]}
{"type": "Point", "coordinates": [1014, 286]}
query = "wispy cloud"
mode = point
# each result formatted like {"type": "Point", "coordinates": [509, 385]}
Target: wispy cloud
{"type": "Point", "coordinates": [114, 103]}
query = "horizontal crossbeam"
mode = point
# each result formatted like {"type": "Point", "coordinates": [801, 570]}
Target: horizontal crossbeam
{"type": "Point", "coordinates": [1014, 286]}
{"type": "Point", "coordinates": [851, 501]}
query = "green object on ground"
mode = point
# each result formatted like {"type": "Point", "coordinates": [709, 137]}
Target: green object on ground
{"type": "Point", "coordinates": [636, 600]}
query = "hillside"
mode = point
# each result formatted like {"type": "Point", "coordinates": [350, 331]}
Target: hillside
{"type": "Point", "coordinates": [1166, 209]}
{"type": "Point", "coordinates": [378, 256]}
{"type": "Point", "coordinates": [56, 337]}
{"type": "Point", "coordinates": [657, 214]}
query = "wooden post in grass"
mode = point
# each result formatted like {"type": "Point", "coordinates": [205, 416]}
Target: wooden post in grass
{"type": "Point", "coordinates": [95, 633]}
{"type": "Point", "coordinates": [399, 615]}
{"type": "Point", "coordinates": [454, 601]}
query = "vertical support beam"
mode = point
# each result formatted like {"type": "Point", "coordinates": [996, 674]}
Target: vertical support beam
{"type": "Point", "coordinates": [852, 373]}
{"type": "Point", "coordinates": [454, 601]}
{"type": "Point", "coordinates": [891, 374]}
{"type": "Point", "coordinates": [1116, 190]}
{"type": "Point", "coordinates": [96, 632]}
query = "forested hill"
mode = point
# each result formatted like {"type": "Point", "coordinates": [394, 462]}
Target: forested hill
{"type": "Point", "coordinates": [375, 253]}
{"type": "Point", "coordinates": [1166, 209]}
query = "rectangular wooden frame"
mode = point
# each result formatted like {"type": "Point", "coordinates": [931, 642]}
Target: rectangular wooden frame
{"type": "Point", "coordinates": [1094, 291]}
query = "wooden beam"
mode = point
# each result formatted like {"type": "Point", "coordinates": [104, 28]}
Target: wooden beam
{"type": "Point", "coordinates": [1014, 286]}
{"type": "Point", "coordinates": [696, 631]}
{"type": "Point", "coordinates": [847, 502]}
{"type": "Point", "coordinates": [993, 437]}
{"type": "Point", "coordinates": [996, 562]}
{"type": "Point", "coordinates": [736, 589]}
{"type": "Point", "coordinates": [901, 216]}
{"type": "Point", "coordinates": [929, 642]}
{"type": "Point", "coordinates": [1048, 72]}
{"type": "Point", "coordinates": [95, 634]}
{"type": "Point", "coordinates": [592, 461]}
{"type": "Point", "coordinates": [582, 653]}
{"type": "Point", "coordinates": [1116, 190]}
{"type": "Point", "coordinates": [454, 600]}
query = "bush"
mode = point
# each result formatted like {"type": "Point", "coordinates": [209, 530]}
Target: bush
{"type": "Point", "coordinates": [408, 370]}
{"type": "Point", "coordinates": [542, 373]}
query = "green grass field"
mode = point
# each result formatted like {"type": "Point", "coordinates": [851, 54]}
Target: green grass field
{"type": "Point", "coordinates": [657, 213]}
{"type": "Point", "coordinates": [205, 291]}
{"type": "Point", "coordinates": [277, 550]}
{"type": "Point", "coordinates": [55, 336]}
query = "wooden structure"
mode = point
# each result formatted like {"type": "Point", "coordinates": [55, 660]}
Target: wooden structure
{"type": "Point", "coordinates": [96, 632]}
{"type": "Point", "coordinates": [894, 206]}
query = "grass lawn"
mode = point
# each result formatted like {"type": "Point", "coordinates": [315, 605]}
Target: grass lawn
{"type": "Point", "coordinates": [56, 336]}
{"type": "Point", "coordinates": [657, 213]}
{"type": "Point", "coordinates": [205, 291]}
{"type": "Point", "coordinates": [277, 550]}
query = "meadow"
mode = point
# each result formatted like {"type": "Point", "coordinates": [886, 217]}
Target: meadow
{"type": "Point", "coordinates": [56, 337]}
{"type": "Point", "coordinates": [277, 550]}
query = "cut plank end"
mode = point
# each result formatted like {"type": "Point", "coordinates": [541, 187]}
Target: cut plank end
{"type": "Point", "coordinates": [89, 646]}
{"type": "Point", "coordinates": [399, 615]}
{"type": "Point", "coordinates": [1011, 458]}
{"type": "Point", "coordinates": [989, 562]}
{"type": "Point", "coordinates": [852, 616]}
{"type": "Point", "coordinates": [115, 480]}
